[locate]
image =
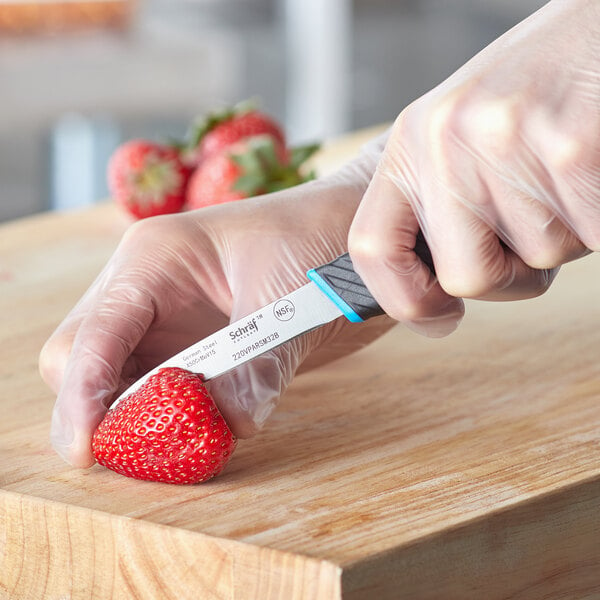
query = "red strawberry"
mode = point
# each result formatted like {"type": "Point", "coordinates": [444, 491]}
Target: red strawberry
{"type": "Point", "coordinates": [147, 178]}
{"type": "Point", "coordinates": [253, 166]}
{"type": "Point", "coordinates": [169, 430]}
{"type": "Point", "coordinates": [220, 130]}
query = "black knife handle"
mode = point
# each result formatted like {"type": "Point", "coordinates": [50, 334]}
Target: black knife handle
{"type": "Point", "coordinates": [342, 284]}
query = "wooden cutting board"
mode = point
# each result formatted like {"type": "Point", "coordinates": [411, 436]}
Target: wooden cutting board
{"type": "Point", "coordinates": [461, 468]}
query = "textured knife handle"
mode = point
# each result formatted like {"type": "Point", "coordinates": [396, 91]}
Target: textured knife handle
{"type": "Point", "coordinates": [341, 283]}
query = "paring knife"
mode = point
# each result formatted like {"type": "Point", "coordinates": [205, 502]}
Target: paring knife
{"type": "Point", "coordinates": [334, 290]}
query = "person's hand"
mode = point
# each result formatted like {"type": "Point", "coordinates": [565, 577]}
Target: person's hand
{"type": "Point", "coordinates": [500, 168]}
{"type": "Point", "coordinates": [174, 280]}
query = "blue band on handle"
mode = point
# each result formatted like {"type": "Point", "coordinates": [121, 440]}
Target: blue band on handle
{"type": "Point", "coordinates": [348, 311]}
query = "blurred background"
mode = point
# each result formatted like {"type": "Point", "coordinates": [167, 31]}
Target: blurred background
{"type": "Point", "coordinates": [76, 78]}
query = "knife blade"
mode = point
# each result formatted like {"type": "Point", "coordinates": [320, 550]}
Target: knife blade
{"type": "Point", "coordinates": [333, 290]}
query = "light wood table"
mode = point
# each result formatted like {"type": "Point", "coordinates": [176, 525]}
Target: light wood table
{"type": "Point", "coordinates": [462, 468]}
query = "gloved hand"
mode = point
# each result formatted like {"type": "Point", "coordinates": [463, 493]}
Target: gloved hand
{"type": "Point", "coordinates": [176, 279]}
{"type": "Point", "coordinates": [500, 168]}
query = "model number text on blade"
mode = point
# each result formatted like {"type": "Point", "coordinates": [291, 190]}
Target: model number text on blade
{"type": "Point", "coordinates": [240, 354]}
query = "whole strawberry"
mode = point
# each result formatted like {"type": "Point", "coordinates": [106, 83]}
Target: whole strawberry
{"type": "Point", "coordinates": [252, 166]}
{"type": "Point", "coordinates": [147, 178]}
{"type": "Point", "coordinates": [219, 130]}
{"type": "Point", "coordinates": [169, 430]}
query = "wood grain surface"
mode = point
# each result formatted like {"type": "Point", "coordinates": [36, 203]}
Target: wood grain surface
{"type": "Point", "coordinates": [461, 468]}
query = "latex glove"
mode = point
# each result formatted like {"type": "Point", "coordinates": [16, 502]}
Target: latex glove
{"type": "Point", "coordinates": [500, 168]}
{"type": "Point", "coordinates": [176, 279]}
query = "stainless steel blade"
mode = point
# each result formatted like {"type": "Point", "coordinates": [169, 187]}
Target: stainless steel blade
{"type": "Point", "coordinates": [284, 319]}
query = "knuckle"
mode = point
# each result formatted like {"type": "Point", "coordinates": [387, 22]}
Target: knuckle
{"type": "Point", "coordinates": [444, 125]}
{"type": "Point", "coordinates": [374, 252]}
{"type": "Point", "coordinates": [400, 144]}
{"type": "Point", "coordinates": [403, 122]}
{"type": "Point", "coordinates": [547, 257]}
{"type": "Point", "coordinates": [584, 217]}
{"type": "Point", "coordinates": [496, 282]}
{"type": "Point", "coordinates": [53, 358]}
{"type": "Point", "coordinates": [568, 155]}
{"type": "Point", "coordinates": [118, 297]}
{"type": "Point", "coordinates": [52, 349]}
{"type": "Point", "coordinates": [148, 231]}
{"type": "Point", "coordinates": [490, 126]}
{"type": "Point", "coordinates": [444, 117]}
{"type": "Point", "coordinates": [364, 245]}
{"type": "Point", "coordinates": [591, 240]}
{"type": "Point", "coordinates": [475, 282]}
{"type": "Point", "coordinates": [552, 248]}
{"type": "Point", "coordinates": [565, 152]}
{"type": "Point", "coordinates": [464, 287]}
{"type": "Point", "coordinates": [411, 310]}
{"type": "Point", "coordinates": [469, 116]}
{"type": "Point", "coordinates": [44, 362]}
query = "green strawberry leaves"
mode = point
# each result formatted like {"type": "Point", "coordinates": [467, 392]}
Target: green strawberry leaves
{"type": "Point", "coordinates": [263, 170]}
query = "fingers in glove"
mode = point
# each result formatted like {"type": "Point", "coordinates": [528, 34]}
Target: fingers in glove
{"type": "Point", "coordinates": [381, 242]}
{"type": "Point", "coordinates": [248, 394]}
{"type": "Point", "coordinates": [101, 347]}
{"type": "Point", "coordinates": [478, 246]}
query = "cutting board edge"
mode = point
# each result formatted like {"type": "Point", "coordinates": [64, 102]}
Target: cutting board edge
{"type": "Point", "coordinates": [42, 556]}
{"type": "Point", "coordinates": [508, 541]}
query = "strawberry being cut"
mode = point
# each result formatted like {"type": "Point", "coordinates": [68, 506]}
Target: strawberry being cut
{"type": "Point", "coordinates": [147, 178]}
{"type": "Point", "coordinates": [252, 166]}
{"type": "Point", "coordinates": [219, 130]}
{"type": "Point", "coordinates": [169, 430]}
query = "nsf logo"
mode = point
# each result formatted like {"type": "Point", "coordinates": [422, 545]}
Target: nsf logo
{"type": "Point", "coordinates": [284, 310]}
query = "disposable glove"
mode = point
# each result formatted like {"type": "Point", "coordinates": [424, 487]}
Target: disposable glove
{"type": "Point", "coordinates": [176, 279]}
{"type": "Point", "coordinates": [500, 168]}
